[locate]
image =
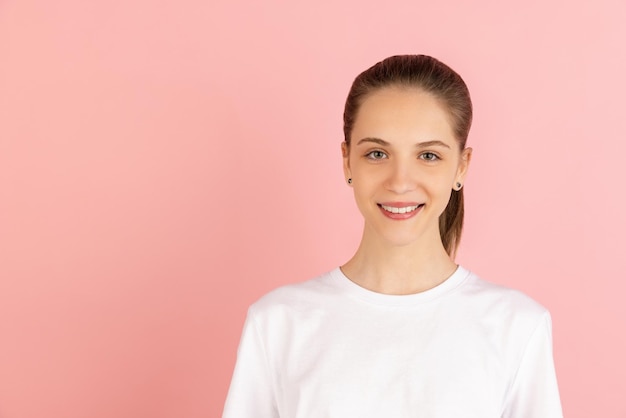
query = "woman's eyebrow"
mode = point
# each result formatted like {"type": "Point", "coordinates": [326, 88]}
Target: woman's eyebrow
{"type": "Point", "coordinates": [425, 144]}
{"type": "Point", "coordinates": [374, 140]}
{"type": "Point", "coordinates": [435, 143]}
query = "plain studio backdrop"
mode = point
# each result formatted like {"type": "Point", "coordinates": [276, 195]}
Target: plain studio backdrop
{"type": "Point", "coordinates": [164, 164]}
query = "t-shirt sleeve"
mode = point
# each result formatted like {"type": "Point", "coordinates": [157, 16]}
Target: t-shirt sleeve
{"type": "Point", "coordinates": [534, 392]}
{"type": "Point", "coordinates": [251, 393]}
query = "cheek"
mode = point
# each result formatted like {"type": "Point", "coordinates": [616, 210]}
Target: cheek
{"type": "Point", "coordinates": [437, 177]}
{"type": "Point", "coordinates": [448, 174]}
{"type": "Point", "coordinates": [365, 174]}
{"type": "Point", "coordinates": [444, 182]}
{"type": "Point", "coordinates": [362, 186]}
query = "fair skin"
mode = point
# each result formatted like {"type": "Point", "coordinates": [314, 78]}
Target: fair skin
{"type": "Point", "coordinates": [403, 158]}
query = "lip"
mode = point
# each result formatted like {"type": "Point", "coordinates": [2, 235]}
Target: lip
{"type": "Point", "coordinates": [400, 216]}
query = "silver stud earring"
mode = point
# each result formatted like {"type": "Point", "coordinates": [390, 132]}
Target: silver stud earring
{"type": "Point", "coordinates": [458, 186]}
{"type": "Point", "coordinates": [350, 180]}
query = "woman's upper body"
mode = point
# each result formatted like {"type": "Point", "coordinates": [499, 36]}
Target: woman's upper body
{"type": "Point", "coordinates": [399, 330]}
{"type": "Point", "coordinates": [329, 348]}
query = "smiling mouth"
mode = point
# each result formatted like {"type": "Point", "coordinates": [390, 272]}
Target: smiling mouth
{"type": "Point", "coordinates": [405, 209]}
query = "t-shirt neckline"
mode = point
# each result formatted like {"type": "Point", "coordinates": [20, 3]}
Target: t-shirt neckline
{"type": "Point", "coordinates": [354, 290]}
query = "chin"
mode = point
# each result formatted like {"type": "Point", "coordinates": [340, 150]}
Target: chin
{"type": "Point", "coordinates": [400, 235]}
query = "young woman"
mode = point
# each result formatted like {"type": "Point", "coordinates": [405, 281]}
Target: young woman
{"type": "Point", "coordinates": [399, 330]}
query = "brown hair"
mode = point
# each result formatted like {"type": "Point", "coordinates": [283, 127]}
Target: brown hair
{"type": "Point", "coordinates": [432, 76]}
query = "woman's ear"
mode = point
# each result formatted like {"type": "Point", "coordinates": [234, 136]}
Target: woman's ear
{"type": "Point", "coordinates": [345, 153]}
{"type": "Point", "coordinates": [464, 163]}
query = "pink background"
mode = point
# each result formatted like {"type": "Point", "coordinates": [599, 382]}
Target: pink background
{"type": "Point", "coordinates": [164, 164]}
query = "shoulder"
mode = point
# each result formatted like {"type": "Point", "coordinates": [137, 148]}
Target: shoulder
{"type": "Point", "coordinates": [507, 317]}
{"type": "Point", "coordinates": [504, 302]}
{"type": "Point", "coordinates": [296, 296]}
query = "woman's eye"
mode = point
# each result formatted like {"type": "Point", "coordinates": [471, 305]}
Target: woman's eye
{"type": "Point", "coordinates": [429, 156]}
{"type": "Point", "coordinates": [376, 155]}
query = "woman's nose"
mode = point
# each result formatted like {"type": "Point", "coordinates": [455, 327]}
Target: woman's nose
{"type": "Point", "coordinates": [401, 178]}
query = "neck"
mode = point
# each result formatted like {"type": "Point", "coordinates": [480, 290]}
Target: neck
{"type": "Point", "coordinates": [391, 269]}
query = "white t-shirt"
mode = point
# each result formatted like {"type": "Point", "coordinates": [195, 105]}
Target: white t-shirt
{"type": "Point", "coordinates": [328, 348]}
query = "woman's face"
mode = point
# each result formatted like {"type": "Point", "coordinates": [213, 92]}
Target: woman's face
{"type": "Point", "coordinates": [404, 161]}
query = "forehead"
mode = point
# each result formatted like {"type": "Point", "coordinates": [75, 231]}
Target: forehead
{"type": "Point", "coordinates": [403, 114]}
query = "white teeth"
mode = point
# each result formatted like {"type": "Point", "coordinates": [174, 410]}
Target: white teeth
{"type": "Point", "coordinates": [399, 210]}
